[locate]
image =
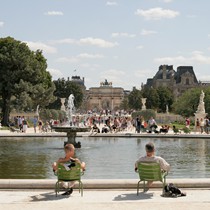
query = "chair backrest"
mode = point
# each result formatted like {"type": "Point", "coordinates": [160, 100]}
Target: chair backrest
{"type": "Point", "coordinates": [149, 171]}
{"type": "Point", "coordinates": [74, 173]}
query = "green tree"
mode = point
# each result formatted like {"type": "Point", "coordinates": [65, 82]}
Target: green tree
{"type": "Point", "coordinates": [134, 99]}
{"type": "Point", "coordinates": [152, 98]}
{"type": "Point", "coordinates": [63, 90]}
{"type": "Point", "coordinates": [124, 104]}
{"type": "Point", "coordinates": [24, 81]}
{"type": "Point", "coordinates": [186, 105]}
{"type": "Point", "coordinates": [165, 98]}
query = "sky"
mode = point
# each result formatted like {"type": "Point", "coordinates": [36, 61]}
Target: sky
{"type": "Point", "coordinates": [123, 41]}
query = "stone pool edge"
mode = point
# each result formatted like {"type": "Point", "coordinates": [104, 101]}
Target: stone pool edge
{"type": "Point", "coordinates": [100, 183]}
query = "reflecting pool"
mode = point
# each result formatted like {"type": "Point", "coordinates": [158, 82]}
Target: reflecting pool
{"type": "Point", "coordinates": [106, 158]}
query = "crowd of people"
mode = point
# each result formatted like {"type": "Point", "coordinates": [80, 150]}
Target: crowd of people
{"type": "Point", "coordinates": [111, 124]}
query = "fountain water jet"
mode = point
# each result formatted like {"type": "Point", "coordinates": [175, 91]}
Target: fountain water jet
{"type": "Point", "coordinates": [68, 128]}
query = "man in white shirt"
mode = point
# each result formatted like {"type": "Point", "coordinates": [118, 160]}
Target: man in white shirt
{"type": "Point", "coordinates": [150, 157]}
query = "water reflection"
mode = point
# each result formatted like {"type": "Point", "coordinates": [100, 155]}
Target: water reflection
{"type": "Point", "coordinates": [105, 157]}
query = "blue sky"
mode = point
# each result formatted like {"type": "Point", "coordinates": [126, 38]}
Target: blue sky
{"type": "Point", "coordinates": [123, 41]}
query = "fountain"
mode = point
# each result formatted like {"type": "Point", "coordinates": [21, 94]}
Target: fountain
{"type": "Point", "coordinates": [200, 113]}
{"type": "Point", "coordinates": [68, 128]}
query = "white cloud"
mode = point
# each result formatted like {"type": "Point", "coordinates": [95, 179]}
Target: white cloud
{"type": "Point", "coordinates": [41, 46]}
{"type": "Point", "coordinates": [77, 58]}
{"type": "Point", "coordinates": [147, 32]}
{"type": "Point", "coordinates": [111, 3]}
{"type": "Point", "coordinates": [157, 13]}
{"type": "Point", "coordinates": [204, 77]}
{"type": "Point", "coordinates": [64, 41]}
{"type": "Point", "coordinates": [209, 35]}
{"type": "Point", "coordinates": [139, 47]}
{"type": "Point", "coordinates": [54, 13]}
{"type": "Point", "coordinates": [124, 34]}
{"type": "Point", "coordinates": [55, 73]}
{"type": "Point", "coordinates": [1, 23]}
{"type": "Point", "coordinates": [97, 42]}
{"type": "Point", "coordinates": [92, 56]}
{"type": "Point", "coordinates": [68, 60]}
{"type": "Point", "coordinates": [143, 73]}
{"type": "Point", "coordinates": [195, 58]}
{"type": "Point", "coordinates": [87, 41]}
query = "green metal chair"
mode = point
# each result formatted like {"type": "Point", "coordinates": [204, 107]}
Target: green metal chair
{"type": "Point", "coordinates": [74, 174]}
{"type": "Point", "coordinates": [151, 171]}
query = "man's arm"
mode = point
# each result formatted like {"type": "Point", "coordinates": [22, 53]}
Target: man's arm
{"type": "Point", "coordinates": [164, 165]}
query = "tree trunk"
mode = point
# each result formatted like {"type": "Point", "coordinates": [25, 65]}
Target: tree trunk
{"type": "Point", "coordinates": [5, 111]}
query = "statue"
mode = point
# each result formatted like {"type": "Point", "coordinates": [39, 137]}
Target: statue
{"type": "Point", "coordinates": [62, 104]}
{"type": "Point", "coordinates": [167, 109]}
{"type": "Point", "coordinates": [37, 110]}
{"type": "Point", "coordinates": [201, 105]}
{"type": "Point", "coordinates": [70, 108]}
{"type": "Point", "coordinates": [143, 101]}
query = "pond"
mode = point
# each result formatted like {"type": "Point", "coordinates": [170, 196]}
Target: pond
{"type": "Point", "coordinates": [106, 158]}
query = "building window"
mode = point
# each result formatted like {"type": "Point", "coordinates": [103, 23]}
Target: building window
{"type": "Point", "coordinates": [187, 81]}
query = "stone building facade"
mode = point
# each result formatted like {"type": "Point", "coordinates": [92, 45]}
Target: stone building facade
{"type": "Point", "coordinates": [105, 97]}
{"type": "Point", "coordinates": [178, 81]}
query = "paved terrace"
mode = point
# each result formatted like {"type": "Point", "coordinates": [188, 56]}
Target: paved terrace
{"type": "Point", "coordinates": [102, 194]}
{"type": "Point", "coordinates": [126, 134]}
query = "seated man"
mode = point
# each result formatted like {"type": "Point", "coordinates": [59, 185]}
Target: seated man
{"type": "Point", "coordinates": [164, 129]}
{"type": "Point", "coordinates": [105, 129]}
{"type": "Point", "coordinates": [95, 129]}
{"type": "Point", "coordinates": [69, 157]}
{"type": "Point", "coordinates": [150, 157]}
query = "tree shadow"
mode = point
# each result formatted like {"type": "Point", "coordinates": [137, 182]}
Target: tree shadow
{"type": "Point", "coordinates": [50, 196]}
{"type": "Point", "coordinates": [133, 196]}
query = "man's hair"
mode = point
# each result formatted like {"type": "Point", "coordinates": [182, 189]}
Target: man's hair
{"type": "Point", "coordinates": [69, 147]}
{"type": "Point", "coordinates": [150, 147]}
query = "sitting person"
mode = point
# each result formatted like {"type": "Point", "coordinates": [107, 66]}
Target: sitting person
{"type": "Point", "coordinates": [176, 130]}
{"type": "Point", "coordinates": [95, 129]}
{"type": "Point", "coordinates": [105, 129]}
{"type": "Point", "coordinates": [164, 129]}
{"type": "Point", "coordinates": [69, 157]}
{"type": "Point", "coordinates": [150, 157]}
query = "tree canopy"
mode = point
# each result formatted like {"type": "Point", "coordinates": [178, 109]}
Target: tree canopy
{"type": "Point", "coordinates": [134, 99]}
{"type": "Point", "coordinates": [24, 80]}
{"type": "Point", "coordinates": [187, 104]}
{"type": "Point", "coordinates": [63, 89]}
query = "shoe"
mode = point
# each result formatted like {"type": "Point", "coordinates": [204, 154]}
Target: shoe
{"type": "Point", "coordinates": [68, 192]}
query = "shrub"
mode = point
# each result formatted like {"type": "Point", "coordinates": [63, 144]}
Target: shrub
{"type": "Point", "coordinates": [145, 113]}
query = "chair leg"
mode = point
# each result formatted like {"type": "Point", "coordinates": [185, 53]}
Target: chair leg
{"type": "Point", "coordinates": [81, 188]}
{"type": "Point", "coordinates": [144, 187]}
{"type": "Point", "coordinates": [164, 184]}
{"type": "Point", "coordinates": [56, 188]}
{"type": "Point", "coordinates": [138, 187]}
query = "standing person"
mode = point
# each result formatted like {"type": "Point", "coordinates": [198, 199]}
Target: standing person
{"type": "Point", "coordinates": [69, 157]}
{"type": "Point", "coordinates": [35, 123]}
{"type": "Point", "coordinates": [206, 125]}
{"type": "Point", "coordinates": [20, 123]}
{"type": "Point", "coordinates": [40, 126]}
{"type": "Point", "coordinates": [197, 125]}
{"type": "Point", "coordinates": [187, 122]}
{"type": "Point", "coordinates": [138, 124]}
{"type": "Point", "coordinates": [202, 123]}
{"type": "Point", "coordinates": [25, 125]}
{"type": "Point", "coordinates": [150, 157]}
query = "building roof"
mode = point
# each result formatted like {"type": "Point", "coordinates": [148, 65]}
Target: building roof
{"type": "Point", "coordinates": [182, 70]}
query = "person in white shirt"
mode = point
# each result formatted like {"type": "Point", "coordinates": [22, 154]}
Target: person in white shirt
{"type": "Point", "coordinates": [150, 157]}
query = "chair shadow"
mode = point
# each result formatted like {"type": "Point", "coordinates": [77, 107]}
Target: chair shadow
{"type": "Point", "coordinates": [133, 196]}
{"type": "Point", "coordinates": [50, 196]}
